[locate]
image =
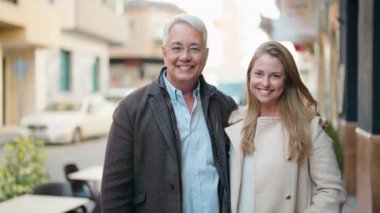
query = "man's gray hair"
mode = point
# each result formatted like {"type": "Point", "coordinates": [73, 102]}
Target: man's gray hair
{"type": "Point", "coordinates": [193, 21]}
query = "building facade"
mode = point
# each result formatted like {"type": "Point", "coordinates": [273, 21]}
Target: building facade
{"type": "Point", "coordinates": [25, 27]}
{"type": "Point", "coordinates": [52, 48]}
{"type": "Point", "coordinates": [139, 60]}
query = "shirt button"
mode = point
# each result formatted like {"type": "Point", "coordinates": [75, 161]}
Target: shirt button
{"type": "Point", "coordinates": [289, 158]}
{"type": "Point", "coordinates": [195, 173]}
{"type": "Point", "coordinates": [288, 196]}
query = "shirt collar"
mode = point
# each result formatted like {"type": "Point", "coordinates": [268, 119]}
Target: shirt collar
{"type": "Point", "coordinates": [174, 92]}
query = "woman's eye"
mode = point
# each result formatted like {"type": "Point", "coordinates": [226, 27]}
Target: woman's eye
{"type": "Point", "coordinates": [276, 76]}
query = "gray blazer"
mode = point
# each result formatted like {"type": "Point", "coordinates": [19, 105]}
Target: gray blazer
{"type": "Point", "coordinates": [142, 168]}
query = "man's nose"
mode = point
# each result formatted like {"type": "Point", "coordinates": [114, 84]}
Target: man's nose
{"type": "Point", "coordinates": [185, 54]}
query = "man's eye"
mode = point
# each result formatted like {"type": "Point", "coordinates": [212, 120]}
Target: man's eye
{"type": "Point", "coordinates": [176, 49]}
{"type": "Point", "coordinates": [257, 73]}
{"type": "Point", "coordinates": [195, 49]}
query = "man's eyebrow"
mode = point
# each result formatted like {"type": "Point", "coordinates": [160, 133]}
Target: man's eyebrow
{"type": "Point", "coordinates": [176, 43]}
{"type": "Point", "coordinates": [195, 44]}
{"type": "Point", "coordinates": [179, 43]}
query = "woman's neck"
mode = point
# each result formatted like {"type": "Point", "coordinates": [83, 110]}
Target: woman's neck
{"type": "Point", "coordinates": [270, 111]}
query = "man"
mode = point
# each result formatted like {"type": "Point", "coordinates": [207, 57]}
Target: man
{"type": "Point", "coordinates": [167, 150]}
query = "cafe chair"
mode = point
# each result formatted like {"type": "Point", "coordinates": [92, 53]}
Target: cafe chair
{"type": "Point", "coordinates": [80, 188]}
{"type": "Point", "coordinates": [57, 189]}
{"type": "Point", "coordinates": [54, 188]}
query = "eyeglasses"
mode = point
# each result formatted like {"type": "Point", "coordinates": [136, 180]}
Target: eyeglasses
{"type": "Point", "coordinates": [177, 49]}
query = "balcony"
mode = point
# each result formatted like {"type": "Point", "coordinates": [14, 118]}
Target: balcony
{"type": "Point", "coordinates": [30, 23]}
{"type": "Point", "coordinates": [10, 16]}
{"type": "Point", "coordinates": [92, 18]}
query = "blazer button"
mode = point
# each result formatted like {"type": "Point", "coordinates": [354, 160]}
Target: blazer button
{"type": "Point", "coordinates": [172, 186]}
{"type": "Point", "coordinates": [288, 196]}
{"type": "Point", "coordinates": [289, 158]}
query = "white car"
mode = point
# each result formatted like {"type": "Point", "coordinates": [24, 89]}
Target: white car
{"type": "Point", "coordinates": [116, 94]}
{"type": "Point", "coordinates": [68, 120]}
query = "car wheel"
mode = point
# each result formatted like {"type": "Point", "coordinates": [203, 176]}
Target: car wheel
{"type": "Point", "coordinates": [77, 136]}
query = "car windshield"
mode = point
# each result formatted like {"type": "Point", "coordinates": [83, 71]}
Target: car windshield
{"type": "Point", "coordinates": [62, 106]}
{"type": "Point", "coordinates": [117, 93]}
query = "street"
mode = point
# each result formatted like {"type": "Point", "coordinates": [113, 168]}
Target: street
{"type": "Point", "coordinates": [85, 154]}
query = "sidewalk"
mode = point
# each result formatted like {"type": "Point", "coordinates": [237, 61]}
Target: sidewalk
{"type": "Point", "coordinates": [8, 133]}
{"type": "Point", "coordinates": [350, 205]}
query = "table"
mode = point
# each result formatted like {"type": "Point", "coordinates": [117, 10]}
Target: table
{"type": "Point", "coordinates": [92, 174]}
{"type": "Point", "coordinates": [42, 203]}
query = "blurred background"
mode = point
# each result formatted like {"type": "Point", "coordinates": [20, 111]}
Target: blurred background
{"type": "Point", "coordinates": [98, 51]}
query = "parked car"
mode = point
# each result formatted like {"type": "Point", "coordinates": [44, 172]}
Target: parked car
{"type": "Point", "coordinates": [115, 94]}
{"type": "Point", "coordinates": [68, 119]}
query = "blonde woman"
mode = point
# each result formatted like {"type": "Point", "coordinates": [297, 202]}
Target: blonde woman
{"type": "Point", "coordinates": [281, 160]}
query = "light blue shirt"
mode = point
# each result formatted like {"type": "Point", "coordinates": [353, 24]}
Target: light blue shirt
{"type": "Point", "coordinates": [199, 175]}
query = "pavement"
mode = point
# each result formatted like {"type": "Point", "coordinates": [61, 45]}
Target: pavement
{"type": "Point", "coordinates": [8, 133]}
{"type": "Point", "coordinates": [350, 206]}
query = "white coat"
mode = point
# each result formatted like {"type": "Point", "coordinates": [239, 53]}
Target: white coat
{"type": "Point", "coordinates": [282, 184]}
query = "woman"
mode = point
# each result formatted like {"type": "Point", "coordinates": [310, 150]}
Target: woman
{"type": "Point", "coordinates": [280, 158]}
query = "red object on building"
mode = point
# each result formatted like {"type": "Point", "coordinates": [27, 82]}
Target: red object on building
{"type": "Point", "coordinates": [298, 47]}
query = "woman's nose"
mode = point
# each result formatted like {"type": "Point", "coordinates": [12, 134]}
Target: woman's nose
{"type": "Point", "coordinates": [265, 81]}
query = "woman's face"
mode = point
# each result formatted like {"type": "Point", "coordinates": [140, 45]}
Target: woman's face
{"type": "Point", "coordinates": [267, 80]}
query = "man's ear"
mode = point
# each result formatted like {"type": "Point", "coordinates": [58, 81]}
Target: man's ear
{"type": "Point", "coordinates": [163, 51]}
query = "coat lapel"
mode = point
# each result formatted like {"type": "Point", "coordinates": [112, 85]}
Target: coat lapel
{"type": "Point", "coordinates": [162, 118]}
{"type": "Point", "coordinates": [236, 162]}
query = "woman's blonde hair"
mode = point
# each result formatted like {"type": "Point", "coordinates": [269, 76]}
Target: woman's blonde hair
{"type": "Point", "coordinates": [297, 106]}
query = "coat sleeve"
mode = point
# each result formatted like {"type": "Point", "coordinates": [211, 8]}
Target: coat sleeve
{"type": "Point", "coordinates": [329, 193]}
{"type": "Point", "coordinates": [117, 181]}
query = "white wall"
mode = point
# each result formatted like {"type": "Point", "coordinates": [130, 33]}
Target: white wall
{"type": "Point", "coordinates": [47, 76]}
{"type": "Point", "coordinates": [84, 52]}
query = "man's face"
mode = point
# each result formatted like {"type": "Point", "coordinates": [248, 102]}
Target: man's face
{"type": "Point", "coordinates": [185, 55]}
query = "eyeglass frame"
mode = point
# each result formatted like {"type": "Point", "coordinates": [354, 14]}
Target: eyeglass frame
{"type": "Point", "coordinates": [179, 49]}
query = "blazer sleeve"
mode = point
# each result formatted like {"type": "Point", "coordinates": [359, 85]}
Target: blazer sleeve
{"type": "Point", "coordinates": [329, 192]}
{"type": "Point", "coordinates": [117, 181]}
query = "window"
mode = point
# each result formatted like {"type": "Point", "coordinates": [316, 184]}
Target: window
{"type": "Point", "coordinates": [95, 75]}
{"type": "Point", "coordinates": [65, 71]}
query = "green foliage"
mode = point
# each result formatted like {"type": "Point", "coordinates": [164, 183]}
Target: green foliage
{"type": "Point", "coordinates": [336, 145]}
{"type": "Point", "coordinates": [24, 167]}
